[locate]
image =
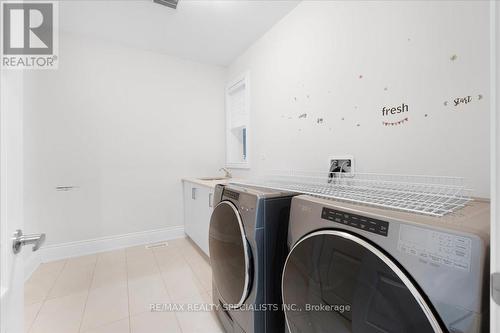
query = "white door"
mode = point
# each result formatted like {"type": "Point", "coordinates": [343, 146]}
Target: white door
{"type": "Point", "coordinates": [495, 158]}
{"type": "Point", "coordinates": [11, 200]}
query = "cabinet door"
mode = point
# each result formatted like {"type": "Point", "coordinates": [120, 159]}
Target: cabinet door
{"type": "Point", "coordinates": [206, 209]}
{"type": "Point", "coordinates": [198, 214]}
{"type": "Point", "coordinates": [198, 202]}
{"type": "Point", "coordinates": [203, 212]}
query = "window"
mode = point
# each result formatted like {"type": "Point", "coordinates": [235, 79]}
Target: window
{"type": "Point", "coordinates": [237, 123]}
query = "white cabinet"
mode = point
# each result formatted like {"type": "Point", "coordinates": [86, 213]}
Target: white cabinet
{"type": "Point", "coordinates": [198, 202]}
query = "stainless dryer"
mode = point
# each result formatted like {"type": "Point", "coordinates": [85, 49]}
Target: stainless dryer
{"type": "Point", "coordinates": [359, 269]}
{"type": "Point", "coordinates": [247, 241]}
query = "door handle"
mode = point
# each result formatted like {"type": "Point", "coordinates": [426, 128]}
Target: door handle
{"type": "Point", "coordinates": [193, 193]}
{"type": "Point", "coordinates": [19, 240]}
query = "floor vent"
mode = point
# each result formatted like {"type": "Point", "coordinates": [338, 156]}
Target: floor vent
{"type": "Point", "coordinates": [168, 3]}
{"type": "Point", "coordinates": [156, 245]}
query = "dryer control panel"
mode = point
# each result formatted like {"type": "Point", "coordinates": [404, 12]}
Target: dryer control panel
{"type": "Point", "coordinates": [356, 221]}
{"type": "Point", "coordinates": [436, 247]}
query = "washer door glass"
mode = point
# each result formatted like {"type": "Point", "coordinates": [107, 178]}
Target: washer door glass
{"type": "Point", "coordinates": [336, 282]}
{"type": "Point", "coordinates": [229, 254]}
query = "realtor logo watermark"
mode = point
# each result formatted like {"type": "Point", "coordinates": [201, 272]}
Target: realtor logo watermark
{"type": "Point", "coordinates": [30, 38]}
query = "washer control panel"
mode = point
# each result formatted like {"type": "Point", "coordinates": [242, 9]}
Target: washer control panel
{"type": "Point", "coordinates": [231, 194]}
{"type": "Point", "coordinates": [356, 221]}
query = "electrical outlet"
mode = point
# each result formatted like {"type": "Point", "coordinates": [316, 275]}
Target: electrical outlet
{"type": "Point", "coordinates": [340, 164]}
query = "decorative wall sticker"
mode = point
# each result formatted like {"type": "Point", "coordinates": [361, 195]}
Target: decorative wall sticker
{"type": "Point", "coordinates": [385, 88]}
{"type": "Point", "coordinates": [395, 123]}
{"type": "Point", "coordinates": [303, 116]}
{"type": "Point", "coordinates": [462, 100]}
{"type": "Point", "coordinates": [342, 118]}
{"type": "Point", "coordinates": [425, 115]}
{"type": "Point", "coordinates": [453, 57]}
{"type": "Point", "coordinates": [394, 110]}
{"type": "Point", "coordinates": [319, 121]}
{"type": "Point", "coordinates": [357, 125]}
{"type": "Point", "coordinates": [361, 76]}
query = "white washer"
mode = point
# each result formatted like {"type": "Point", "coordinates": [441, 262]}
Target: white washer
{"type": "Point", "coordinates": [354, 268]}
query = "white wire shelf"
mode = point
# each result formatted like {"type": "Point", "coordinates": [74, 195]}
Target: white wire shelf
{"type": "Point", "coordinates": [430, 195]}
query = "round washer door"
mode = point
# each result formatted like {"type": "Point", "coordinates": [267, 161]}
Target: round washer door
{"type": "Point", "coordinates": [334, 281]}
{"type": "Point", "coordinates": [229, 254]}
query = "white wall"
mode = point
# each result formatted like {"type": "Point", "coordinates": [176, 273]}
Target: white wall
{"type": "Point", "coordinates": [124, 126]}
{"type": "Point", "coordinates": [317, 53]}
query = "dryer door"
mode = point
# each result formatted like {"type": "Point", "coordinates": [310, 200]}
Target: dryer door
{"type": "Point", "coordinates": [229, 254]}
{"type": "Point", "coordinates": [334, 281]}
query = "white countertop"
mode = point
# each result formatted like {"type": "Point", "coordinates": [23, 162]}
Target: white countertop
{"type": "Point", "coordinates": [208, 183]}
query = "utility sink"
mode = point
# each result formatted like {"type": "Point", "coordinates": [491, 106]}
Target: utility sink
{"type": "Point", "coordinates": [213, 178]}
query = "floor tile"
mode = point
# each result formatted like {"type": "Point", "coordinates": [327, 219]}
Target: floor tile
{"type": "Point", "coordinates": [167, 251]}
{"type": "Point", "coordinates": [108, 275]}
{"type": "Point", "coordinates": [98, 293]}
{"type": "Point", "coordinates": [169, 258]}
{"type": "Point", "coordinates": [138, 253]}
{"type": "Point", "coordinates": [192, 249]}
{"type": "Point", "coordinates": [121, 326]}
{"type": "Point", "coordinates": [74, 278]}
{"type": "Point", "coordinates": [145, 291]}
{"type": "Point", "coordinates": [207, 297]}
{"type": "Point", "coordinates": [154, 322]}
{"type": "Point", "coordinates": [60, 315]}
{"type": "Point", "coordinates": [112, 257]}
{"type": "Point", "coordinates": [105, 305]}
{"type": "Point", "coordinates": [199, 322]}
{"type": "Point", "coordinates": [202, 270]}
{"type": "Point", "coordinates": [30, 313]}
{"type": "Point", "coordinates": [181, 282]}
{"type": "Point", "coordinates": [81, 261]}
{"type": "Point", "coordinates": [51, 267]}
{"type": "Point", "coordinates": [179, 242]}
{"type": "Point", "coordinates": [38, 286]}
{"type": "Point", "coordinates": [141, 268]}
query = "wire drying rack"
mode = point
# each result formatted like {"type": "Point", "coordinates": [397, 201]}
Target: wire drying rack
{"type": "Point", "coordinates": [430, 195]}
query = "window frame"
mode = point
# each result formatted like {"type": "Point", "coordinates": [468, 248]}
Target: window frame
{"type": "Point", "coordinates": [232, 85]}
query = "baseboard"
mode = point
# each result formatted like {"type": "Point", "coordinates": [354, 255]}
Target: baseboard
{"type": "Point", "coordinates": [92, 246]}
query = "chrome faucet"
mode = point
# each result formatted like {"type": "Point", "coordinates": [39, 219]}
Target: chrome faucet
{"type": "Point", "coordinates": [228, 174]}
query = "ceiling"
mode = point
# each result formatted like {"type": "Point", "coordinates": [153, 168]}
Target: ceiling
{"type": "Point", "coordinates": [213, 32]}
